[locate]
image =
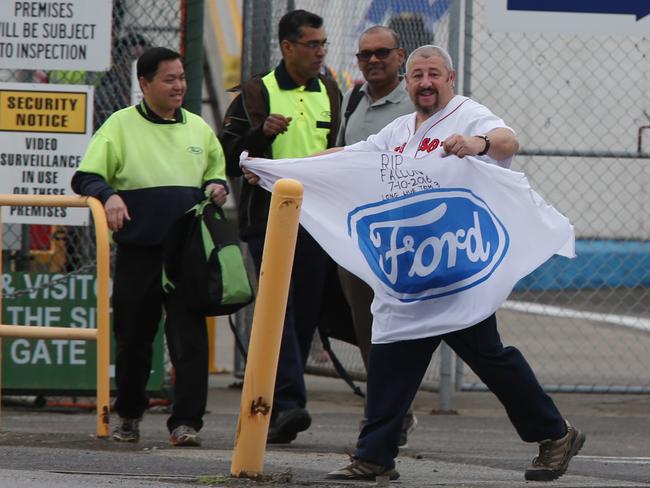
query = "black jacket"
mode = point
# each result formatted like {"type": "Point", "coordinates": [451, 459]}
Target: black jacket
{"type": "Point", "coordinates": [242, 130]}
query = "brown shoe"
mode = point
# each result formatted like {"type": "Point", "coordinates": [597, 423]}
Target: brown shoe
{"type": "Point", "coordinates": [554, 456]}
{"type": "Point", "coordinates": [359, 469]}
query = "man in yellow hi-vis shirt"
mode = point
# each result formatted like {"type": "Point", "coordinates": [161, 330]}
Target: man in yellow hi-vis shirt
{"type": "Point", "coordinates": [149, 164]}
{"type": "Point", "coordinates": [293, 111]}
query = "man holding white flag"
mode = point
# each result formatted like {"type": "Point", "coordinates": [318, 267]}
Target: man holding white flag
{"type": "Point", "coordinates": [442, 239]}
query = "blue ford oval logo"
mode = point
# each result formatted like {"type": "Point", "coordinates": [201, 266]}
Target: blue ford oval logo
{"type": "Point", "coordinates": [431, 243]}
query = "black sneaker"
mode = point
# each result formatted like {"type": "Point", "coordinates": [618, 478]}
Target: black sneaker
{"type": "Point", "coordinates": [554, 456]}
{"type": "Point", "coordinates": [410, 421]}
{"type": "Point", "coordinates": [286, 424]}
{"type": "Point", "coordinates": [128, 430]}
{"type": "Point", "coordinates": [360, 470]}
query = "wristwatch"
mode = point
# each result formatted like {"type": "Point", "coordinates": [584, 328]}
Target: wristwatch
{"type": "Point", "coordinates": [487, 145]}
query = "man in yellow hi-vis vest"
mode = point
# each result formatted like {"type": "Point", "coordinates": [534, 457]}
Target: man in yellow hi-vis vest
{"type": "Point", "coordinates": [293, 111]}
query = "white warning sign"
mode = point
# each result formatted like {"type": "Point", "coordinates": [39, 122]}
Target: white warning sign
{"type": "Point", "coordinates": [44, 131]}
{"type": "Point", "coordinates": [56, 34]}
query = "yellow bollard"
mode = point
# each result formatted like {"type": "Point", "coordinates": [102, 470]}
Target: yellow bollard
{"type": "Point", "coordinates": [266, 333]}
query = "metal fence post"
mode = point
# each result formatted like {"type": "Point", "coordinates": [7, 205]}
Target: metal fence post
{"type": "Point", "coordinates": [446, 385]}
{"type": "Point", "coordinates": [458, 374]}
{"type": "Point", "coordinates": [467, 91]}
{"type": "Point", "coordinates": [467, 50]}
{"type": "Point", "coordinates": [254, 60]}
{"type": "Point", "coordinates": [454, 34]}
{"type": "Point", "coordinates": [257, 37]}
{"type": "Point", "coordinates": [445, 389]}
{"type": "Point", "coordinates": [193, 53]}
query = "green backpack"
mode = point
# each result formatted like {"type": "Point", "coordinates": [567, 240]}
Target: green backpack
{"type": "Point", "coordinates": [203, 261]}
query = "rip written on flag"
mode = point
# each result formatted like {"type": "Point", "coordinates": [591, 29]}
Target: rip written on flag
{"type": "Point", "coordinates": [442, 242]}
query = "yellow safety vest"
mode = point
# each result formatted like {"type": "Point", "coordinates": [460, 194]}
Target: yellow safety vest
{"type": "Point", "coordinates": [311, 118]}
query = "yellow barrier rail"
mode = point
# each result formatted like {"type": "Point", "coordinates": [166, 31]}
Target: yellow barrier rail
{"type": "Point", "coordinates": [101, 334]}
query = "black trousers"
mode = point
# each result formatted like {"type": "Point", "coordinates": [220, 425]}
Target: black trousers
{"type": "Point", "coordinates": [303, 309]}
{"type": "Point", "coordinates": [138, 302]}
{"type": "Point", "coordinates": [396, 371]}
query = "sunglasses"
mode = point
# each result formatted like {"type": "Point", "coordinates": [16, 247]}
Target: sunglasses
{"type": "Point", "coordinates": [381, 53]}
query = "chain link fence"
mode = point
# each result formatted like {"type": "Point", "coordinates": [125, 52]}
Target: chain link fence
{"type": "Point", "coordinates": [583, 323]}
{"type": "Point", "coordinates": [578, 105]}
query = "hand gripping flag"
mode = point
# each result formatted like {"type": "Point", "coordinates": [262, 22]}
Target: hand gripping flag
{"type": "Point", "coordinates": [441, 241]}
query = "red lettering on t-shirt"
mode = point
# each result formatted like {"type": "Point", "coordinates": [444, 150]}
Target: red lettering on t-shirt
{"type": "Point", "coordinates": [429, 145]}
{"type": "Point", "coordinates": [433, 145]}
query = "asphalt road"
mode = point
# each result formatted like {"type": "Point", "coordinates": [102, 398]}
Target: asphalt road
{"type": "Point", "coordinates": [476, 447]}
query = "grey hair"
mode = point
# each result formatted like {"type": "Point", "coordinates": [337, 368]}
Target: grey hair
{"type": "Point", "coordinates": [429, 51]}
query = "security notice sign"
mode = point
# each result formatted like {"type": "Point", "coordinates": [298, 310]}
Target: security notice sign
{"type": "Point", "coordinates": [55, 34]}
{"type": "Point", "coordinates": [44, 131]}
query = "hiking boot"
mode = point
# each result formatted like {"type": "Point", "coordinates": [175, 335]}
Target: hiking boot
{"type": "Point", "coordinates": [360, 470]}
{"type": "Point", "coordinates": [554, 456]}
{"type": "Point", "coordinates": [286, 424]}
{"type": "Point", "coordinates": [128, 430]}
{"type": "Point", "coordinates": [410, 421]}
{"type": "Point", "coordinates": [185, 436]}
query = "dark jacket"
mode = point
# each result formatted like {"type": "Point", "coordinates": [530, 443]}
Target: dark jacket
{"type": "Point", "coordinates": [242, 130]}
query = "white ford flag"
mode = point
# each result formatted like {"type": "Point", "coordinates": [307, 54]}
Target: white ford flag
{"type": "Point", "coordinates": [441, 241]}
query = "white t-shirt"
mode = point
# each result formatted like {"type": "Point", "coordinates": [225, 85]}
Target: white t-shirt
{"type": "Point", "coordinates": [461, 115]}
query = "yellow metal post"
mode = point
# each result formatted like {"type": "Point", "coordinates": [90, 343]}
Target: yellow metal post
{"type": "Point", "coordinates": [103, 316]}
{"type": "Point", "coordinates": [266, 333]}
{"type": "Point", "coordinates": [211, 324]}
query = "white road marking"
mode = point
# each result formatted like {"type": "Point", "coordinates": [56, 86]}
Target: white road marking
{"type": "Point", "coordinates": [616, 460]}
{"type": "Point", "coordinates": [639, 323]}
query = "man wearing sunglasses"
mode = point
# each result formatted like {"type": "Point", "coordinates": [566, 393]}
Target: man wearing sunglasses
{"type": "Point", "coordinates": [293, 111]}
{"type": "Point", "coordinates": [367, 109]}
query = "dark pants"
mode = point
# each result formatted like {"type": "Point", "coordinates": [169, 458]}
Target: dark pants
{"type": "Point", "coordinates": [308, 275]}
{"type": "Point", "coordinates": [138, 301]}
{"type": "Point", "coordinates": [396, 371]}
{"type": "Point", "coordinates": [359, 296]}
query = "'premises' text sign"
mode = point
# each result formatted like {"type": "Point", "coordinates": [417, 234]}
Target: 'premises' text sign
{"type": "Point", "coordinates": [56, 34]}
{"type": "Point", "coordinates": [43, 136]}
